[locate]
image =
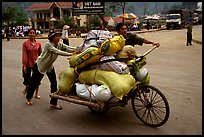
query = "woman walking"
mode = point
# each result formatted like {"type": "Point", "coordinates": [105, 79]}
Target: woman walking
{"type": "Point", "coordinates": [31, 49]}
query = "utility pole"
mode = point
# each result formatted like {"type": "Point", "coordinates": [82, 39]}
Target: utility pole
{"type": "Point", "coordinates": [123, 8]}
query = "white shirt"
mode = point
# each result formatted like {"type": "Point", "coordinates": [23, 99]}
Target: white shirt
{"type": "Point", "coordinates": [65, 34]}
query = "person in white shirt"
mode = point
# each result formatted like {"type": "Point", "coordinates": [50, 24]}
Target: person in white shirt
{"type": "Point", "coordinates": [65, 34]}
{"type": "Point", "coordinates": [44, 65]}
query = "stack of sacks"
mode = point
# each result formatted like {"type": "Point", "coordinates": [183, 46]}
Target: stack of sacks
{"type": "Point", "coordinates": [89, 56]}
{"type": "Point", "coordinates": [119, 84]}
{"type": "Point", "coordinates": [93, 54]}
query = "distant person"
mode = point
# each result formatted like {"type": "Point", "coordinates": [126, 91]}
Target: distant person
{"type": "Point", "coordinates": [132, 39]}
{"type": "Point", "coordinates": [31, 49]}
{"type": "Point", "coordinates": [8, 33]}
{"type": "Point", "coordinates": [45, 65]}
{"type": "Point", "coordinates": [3, 33]}
{"type": "Point", "coordinates": [148, 24]}
{"type": "Point", "coordinates": [65, 34]}
{"type": "Point", "coordinates": [189, 33]}
{"type": "Point", "coordinates": [78, 33]}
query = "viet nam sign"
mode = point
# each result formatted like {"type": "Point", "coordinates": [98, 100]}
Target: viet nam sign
{"type": "Point", "coordinates": [88, 8]}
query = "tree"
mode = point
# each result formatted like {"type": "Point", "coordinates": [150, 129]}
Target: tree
{"type": "Point", "coordinates": [114, 7]}
{"type": "Point", "coordinates": [13, 16]}
{"type": "Point", "coordinates": [95, 21]}
{"type": "Point", "coordinates": [68, 20]}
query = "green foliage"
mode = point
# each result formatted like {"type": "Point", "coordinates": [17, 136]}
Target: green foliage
{"type": "Point", "coordinates": [114, 7]}
{"type": "Point", "coordinates": [13, 16]}
{"type": "Point", "coordinates": [95, 21]}
{"type": "Point", "coordinates": [68, 20]}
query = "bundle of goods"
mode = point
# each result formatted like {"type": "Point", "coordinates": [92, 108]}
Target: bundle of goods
{"type": "Point", "coordinates": [95, 37]}
{"type": "Point", "coordinates": [119, 84]}
{"type": "Point", "coordinates": [92, 55]}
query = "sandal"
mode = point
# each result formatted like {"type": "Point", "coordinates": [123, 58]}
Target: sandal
{"type": "Point", "coordinates": [38, 97]}
{"type": "Point", "coordinates": [59, 107]}
{"type": "Point", "coordinates": [29, 102]}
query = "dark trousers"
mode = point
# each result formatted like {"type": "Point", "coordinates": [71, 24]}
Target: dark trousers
{"type": "Point", "coordinates": [66, 41]}
{"type": "Point", "coordinates": [189, 38]}
{"type": "Point", "coordinates": [7, 36]}
{"type": "Point", "coordinates": [35, 82]}
{"type": "Point", "coordinates": [27, 75]}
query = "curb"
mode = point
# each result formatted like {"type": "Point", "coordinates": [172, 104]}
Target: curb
{"type": "Point", "coordinates": [153, 30]}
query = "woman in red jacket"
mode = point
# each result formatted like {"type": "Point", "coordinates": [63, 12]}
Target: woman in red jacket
{"type": "Point", "coordinates": [31, 49]}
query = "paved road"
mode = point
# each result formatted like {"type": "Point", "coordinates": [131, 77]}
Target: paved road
{"type": "Point", "coordinates": [174, 68]}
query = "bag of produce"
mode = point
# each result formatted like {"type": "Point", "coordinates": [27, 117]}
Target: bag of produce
{"type": "Point", "coordinates": [67, 79]}
{"type": "Point", "coordinates": [113, 45]}
{"type": "Point", "coordinates": [89, 56]}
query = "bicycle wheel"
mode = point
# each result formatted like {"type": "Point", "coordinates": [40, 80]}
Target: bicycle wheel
{"type": "Point", "coordinates": [150, 106]}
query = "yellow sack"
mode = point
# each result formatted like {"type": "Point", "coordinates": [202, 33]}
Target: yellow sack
{"type": "Point", "coordinates": [127, 52]}
{"type": "Point", "coordinates": [66, 80]}
{"type": "Point", "coordinates": [119, 84]}
{"type": "Point", "coordinates": [113, 45]}
{"type": "Point", "coordinates": [87, 57]}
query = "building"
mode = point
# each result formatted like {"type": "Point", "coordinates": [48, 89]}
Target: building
{"type": "Point", "coordinates": [45, 15]}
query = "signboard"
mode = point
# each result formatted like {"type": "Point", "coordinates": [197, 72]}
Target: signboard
{"type": "Point", "coordinates": [88, 8]}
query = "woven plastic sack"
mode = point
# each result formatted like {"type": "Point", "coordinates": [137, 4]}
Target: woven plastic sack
{"type": "Point", "coordinates": [119, 84]}
{"type": "Point", "coordinates": [87, 57]}
{"type": "Point", "coordinates": [115, 66]}
{"type": "Point", "coordinates": [143, 76]}
{"type": "Point", "coordinates": [95, 37]}
{"type": "Point", "coordinates": [113, 45]}
{"type": "Point", "coordinates": [93, 92]}
{"type": "Point", "coordinates": [67, 79]}
{"type": "Point", "coordinates": [127, 52]}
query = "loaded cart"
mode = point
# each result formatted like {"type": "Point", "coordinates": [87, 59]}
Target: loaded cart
{"type": "Point", "coordinates": [148, 102]}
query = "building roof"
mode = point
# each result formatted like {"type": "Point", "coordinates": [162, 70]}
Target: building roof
{"type": "Point", "coordinates": [47, 5]}
{"type": "Point", "coordinates": [107, 18]}
{"type": "Point", "coordinates": [117, 19]}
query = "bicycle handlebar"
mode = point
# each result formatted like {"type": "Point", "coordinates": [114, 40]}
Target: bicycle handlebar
{"type": "Point", "coordinates": [145, 54]}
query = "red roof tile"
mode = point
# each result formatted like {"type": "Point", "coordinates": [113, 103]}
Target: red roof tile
{"type": "Point", "coordinates": [117, 19]}
{"type": "Point", "coordinates": [47, 5]}
{"type": "Point", "coordinates": [65, 4]}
